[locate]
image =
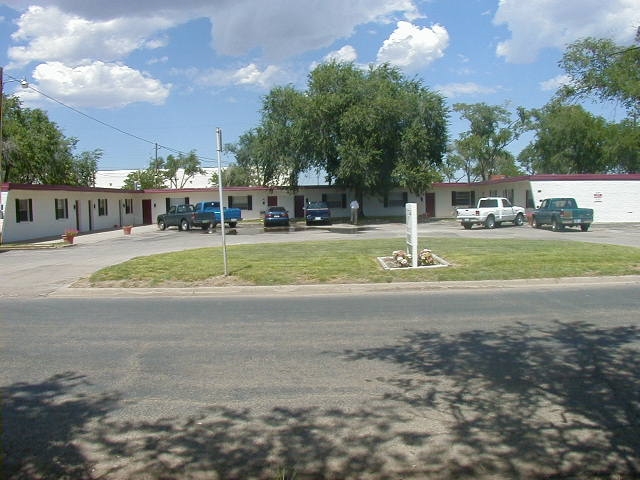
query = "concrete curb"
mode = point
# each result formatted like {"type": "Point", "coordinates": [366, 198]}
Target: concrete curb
{"type": "Point", "coordinates": [343, 289]}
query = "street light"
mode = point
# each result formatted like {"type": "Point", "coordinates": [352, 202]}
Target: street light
{"type": "Point", "coordinates": [23, 84]}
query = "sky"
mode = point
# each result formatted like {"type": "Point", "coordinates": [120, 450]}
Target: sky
{"type": "Point", "coordinates": [148, 77]}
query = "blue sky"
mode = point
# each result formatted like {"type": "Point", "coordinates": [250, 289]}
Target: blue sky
{"type": "Point", "coordinates": [166, 72]}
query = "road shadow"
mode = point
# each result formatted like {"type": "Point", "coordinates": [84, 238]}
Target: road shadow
{"type": "Point", "coordinates": [526, 402]}
{"type": "Point", "coordinates": [522, 402]}
{"type": "Point", "coordinates": [40, 423]}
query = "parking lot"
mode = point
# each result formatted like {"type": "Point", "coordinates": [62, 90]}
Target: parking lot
{"type": "Point", "coordinates": [35, 272]}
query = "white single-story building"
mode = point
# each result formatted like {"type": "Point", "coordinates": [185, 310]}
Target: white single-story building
{"type": "Point", "coordinates": [43, 211]}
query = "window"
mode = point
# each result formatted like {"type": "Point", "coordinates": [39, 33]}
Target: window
{"type": "Point", "coordinates": [335, 200]}
{"type": "Point", "coordinates": [24, 210]}
{"type": "Point", "coordinates": [244, 202]}
{"type": "Point", "coordinates": [128, 205]}
{"type": "Point", "coordinates": [508, 193]}
{"type": "Point", "coordinates": [103, 207]}
{"type": "Point", "coordinates": [396, 199]}
{"type": "Point", "coordinates": [463, 199]}
{"type": "Point", "coordinates": [62, 208]}
{"type": "Point", "coordinates": [488, 203]}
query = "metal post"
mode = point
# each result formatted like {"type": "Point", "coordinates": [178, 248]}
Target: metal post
{"type": "Point", "coordinates": [224, 244]}
{"type": "Point", "coordinates": [1, 115]}
{"type": "Point", "coordinates": [412, 232]}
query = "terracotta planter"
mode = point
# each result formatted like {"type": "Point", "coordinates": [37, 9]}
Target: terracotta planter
{"type": "Point", "coordinates": [127, 229]}
{"type": "Point", "coordinates": [68, 238]}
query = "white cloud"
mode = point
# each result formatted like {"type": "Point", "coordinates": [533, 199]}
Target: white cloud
{"type": "Point", "coordinates": [79, 49]}
{"type": "Point", "coordinates": [345, 54]}
{"type": "Point", "coordinates": [97, 84]}
{"type": "Point", "coordinates": [280, 29]}
{"type": "Point", "coordinates": [555, 83]}
{"type": "Point", "coordinates": [290, 27]}
{"type": "Point", "coordinates": [411, 47]}
{"type": "Point", "coordinates": [248, 75]}
{"type": "Point", "coordinates": [539, 24]}
{"type": "Point", "coordinates": [453, 90]}
{"type": "Point", "coordinates": [48, 34]}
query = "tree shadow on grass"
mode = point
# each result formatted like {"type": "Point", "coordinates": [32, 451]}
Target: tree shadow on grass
{"type": "Point", "coordinates": [527, 402]}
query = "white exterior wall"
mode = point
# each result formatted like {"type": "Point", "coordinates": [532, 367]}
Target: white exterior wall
{"type": "Point", "coordinates": [612, 201]}
{"type": "Point", "coordinates": [504, 189]}
{"type": "Point", "coordinates": [82, 213]}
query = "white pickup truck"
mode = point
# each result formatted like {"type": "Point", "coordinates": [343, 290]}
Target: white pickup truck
{"type": "Point", "coordinates": [491, 211]}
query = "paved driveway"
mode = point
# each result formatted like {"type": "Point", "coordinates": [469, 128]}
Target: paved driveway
{"type": "Point", "coordinates": [28, 273]}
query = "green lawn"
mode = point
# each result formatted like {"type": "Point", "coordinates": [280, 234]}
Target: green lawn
{"type": "Point", "coordinates": [354, 261]}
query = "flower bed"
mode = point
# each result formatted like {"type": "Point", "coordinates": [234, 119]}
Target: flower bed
{"type": "Point", "coordinates": [402, 259]}
{"type": "Point", "coordinates": [69, 235]}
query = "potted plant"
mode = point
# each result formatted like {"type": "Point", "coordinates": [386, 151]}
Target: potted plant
{"type": "Point", "coordinates": [69, 234]}
{"type": "Point", "coordinates": [127, 229]}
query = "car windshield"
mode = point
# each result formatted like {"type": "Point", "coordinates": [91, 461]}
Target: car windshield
{"type": "Point", "coordinates": [317, 205]}
{"type": "Point", "coordinates": [277, 209]}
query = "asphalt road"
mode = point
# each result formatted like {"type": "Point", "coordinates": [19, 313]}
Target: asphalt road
{"type": "Point", "coordinates": [529, 381]}
{"type": "Point", "coordinates": [520, 383]}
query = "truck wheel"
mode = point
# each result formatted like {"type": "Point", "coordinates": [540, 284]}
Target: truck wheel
{"type": "Point", "coordinates": [161, 224]}
{"type": "Point", "coordinates": [233, 224]}
{"type": "Point", "coordinates": [490, 222]}
{"type": "Point", "coordinates": [534, 223]}
{"type": "Point", "coordinates": [184, 224]}
{"type": "Point", "coordinates": [556, 226]}
{"type": "Point", "coordinates": [467, 226]}
{"type": "Point", "coordinates": [519, 221]}
{"type": "Point", "coordinates": [584, 227]}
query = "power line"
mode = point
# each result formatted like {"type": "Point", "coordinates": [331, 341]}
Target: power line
{"type": "Point", "coordinates": [108, 125]}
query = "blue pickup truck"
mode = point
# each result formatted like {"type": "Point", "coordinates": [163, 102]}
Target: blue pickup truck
{"type": "Point", "coordinates": [204, 215]}
{"type": "Point", "coordinates": [560, 213]}
{"type": "Point", "coordinates": [207, 215]}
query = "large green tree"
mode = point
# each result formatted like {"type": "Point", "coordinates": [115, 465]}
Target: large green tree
{"type": "Point", "coordinates": [482, 151]}
{"type": "Point", "coordinates": [601, 69]}
{"type": "Point", "coordinates": [374, 130]}
{"type": "Point", "coordinates": [367, 130]}
{"type": "Point", "coordinates": [144, 179]}
{"type": "Point", "coordinates": [174, 170]}
{"type": "Point", "coordinates": [178, 170]}
{"type": "Point", "coordinates": [568, 139]}
{"type": "Point", "coordinates": [34, 150]}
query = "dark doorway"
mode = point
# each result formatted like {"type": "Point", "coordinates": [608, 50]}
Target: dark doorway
{"type": "Point", "coordinates": [147, 219]}
{"type": "Point", "coordinates": [430, 201]}
{"type": "Point", "coordinates": [298, 204]}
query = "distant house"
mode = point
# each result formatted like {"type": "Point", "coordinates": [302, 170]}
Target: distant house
{"type": "Point", "coordinates": [44, 211]}
{"type": "Point", "coordinates": [116, 178]}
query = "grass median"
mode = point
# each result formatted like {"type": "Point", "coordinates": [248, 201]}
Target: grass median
{"type": "Point", "coordinates": [355, 261]}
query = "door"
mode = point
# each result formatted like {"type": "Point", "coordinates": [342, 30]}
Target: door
{"type": "Point", "coordinates": [76, 207]}
{"type": "Point", "coordinates": [146, 212]}
{"type": "Point", "coordinates": [430, 201]}
{"type": "Point", "coordinates": [298, 206]}
{"type": "Point", "coordinates": [272, 201]}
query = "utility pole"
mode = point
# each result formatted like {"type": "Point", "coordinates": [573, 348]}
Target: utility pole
{"type": "Point", "coordinates": [224, 244]}
{"type": "Point", "coordinates": [1, 117]}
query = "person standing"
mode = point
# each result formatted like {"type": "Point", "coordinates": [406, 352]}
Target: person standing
{"type": "Point", "coordinates": [355, 206]}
